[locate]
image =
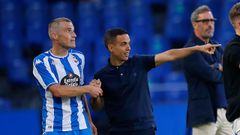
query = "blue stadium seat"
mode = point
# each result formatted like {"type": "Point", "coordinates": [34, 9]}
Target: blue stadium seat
{"type": "Point", "coordinates": [5, 104]}
{"type": "Point", "coordinates": [114, 21]}
{"type": "Point", "coordinates": [101, 55]}
{"type": "Point", "coordinates": [87, 48]}
{"type": "Point", "coordinates": [10, 10]}
{"type": "Point", "coordinates": [2, 61]}
{"type": "Point", "coordinates": [36, 22]}
{"type": "Point", "coordinates": [159, 44]}
{"type": "Point", "coordinates": [12, 49]}
{"type": "Point", "coordinates": [18, 71]}
{"type": "Point", "coordinates": [86, 9]}
{"type": "Point", "coordinates": [17, 67]}
{"type": "Point", "coordinates": [62, 9]}
{"type": "Point", "coordinates": [111, 3]}
{"type": "Point", "coordinates": [158, 1]}
{"type": "Point", "coordinates": [225, 29]}
{"type": "Point", "coordinates": [177, 21]}
{"type": "Point", "coordinates": [176, 87]}
{"type": "Point", "coordinates": [139, 7]}
{"type": "Point", "coordinates": [140, 20]}
{"type": "Point", "coordinates": [88, 21]}
{"type": "Point", "coordinates": [11, 21]}
{"type": "Point", "coordinates": [114, 14]}
{"type": "Point", "coordinates": [138, 45]}
{"type": "Point", "coordinates": [141, 28]}
{"type": "Point", "coordinates": [11, 31]}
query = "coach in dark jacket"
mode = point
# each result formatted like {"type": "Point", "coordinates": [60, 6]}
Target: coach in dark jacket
{"type": "Point", "coordinates": [203, 72]}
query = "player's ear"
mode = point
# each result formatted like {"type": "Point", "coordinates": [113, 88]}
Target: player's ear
{"type": "Point", "coordinates": [238, 23]}
{"type": "Point", "coordinates": [53, 35]}
{"type": "Point", "coordinates": [194, 24]}
{"type": "Point", "coordinates": [110, 47]}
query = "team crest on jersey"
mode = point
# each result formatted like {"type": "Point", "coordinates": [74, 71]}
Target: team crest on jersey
{"type": "Point", "coordinates": [71, 79]}
{"type": "Point", "coordinates": [75, 60]}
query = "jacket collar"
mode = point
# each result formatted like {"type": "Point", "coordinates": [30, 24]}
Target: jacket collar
{"type": "Point", "coordinates": [198, 41]}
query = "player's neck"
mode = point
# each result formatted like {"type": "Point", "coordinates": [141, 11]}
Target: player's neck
{"type": "Point", "coordinates": [59, 51]}
{"type": "Point", "coordinates": [205, 40]}
{"type": "Point", "coordinates": [116, 62]}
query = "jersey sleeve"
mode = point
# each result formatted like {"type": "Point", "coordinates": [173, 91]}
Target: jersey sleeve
{"type": "Point", "coordinates": [43, 74]}
{"type": "Point", "coordinates": [147, 61]}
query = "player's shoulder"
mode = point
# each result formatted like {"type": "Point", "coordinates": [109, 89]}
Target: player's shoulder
{"type": "Point", "coordinates": [76, 52]}
{"type": "Point", "coordinates": [139, 58]}
{"type": "Point", "coordinates": [233, 45]}
{"type": "Point", "coordinates": [103, 71]}
{"type": "Point", "coordinates": [73, 51]}
{"type": "Point", "coordinates": [39, 58]}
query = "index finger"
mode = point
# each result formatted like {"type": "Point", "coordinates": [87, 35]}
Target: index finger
{"type": "Point", "coordinates": [215, 45]}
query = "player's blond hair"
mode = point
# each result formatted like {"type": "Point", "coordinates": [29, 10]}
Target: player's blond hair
{"type": "Point", "coordinates": [234, 13]}
{"type": "Point", "coordinates": [53, 25]}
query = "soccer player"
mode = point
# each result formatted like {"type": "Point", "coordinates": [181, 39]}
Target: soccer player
{"type": "Point", "coordinates": [124, 81]}
{"type": "Point", "coordinates": [59, 76]}
{"type": "Point", "coordinates": [231, 72]}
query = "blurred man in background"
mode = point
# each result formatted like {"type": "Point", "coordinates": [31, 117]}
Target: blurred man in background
{"type": "Point", "coordinates": [231, 65]}
{"type": "Point", "coordinates": [124, 80]}
{"type": "Point", "coordinates": [203, 72]}
{"type": "Point", "coordinates": [59, 75]}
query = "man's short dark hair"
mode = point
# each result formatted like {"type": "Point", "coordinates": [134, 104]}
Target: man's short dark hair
{"type": "Point", "coordinates": [55, 22]}
{"type": "Point", "coordinates": [111, 34]}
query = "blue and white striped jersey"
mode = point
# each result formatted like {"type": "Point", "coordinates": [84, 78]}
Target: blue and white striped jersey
{"type": "Point", "coordinates": [66, 113]}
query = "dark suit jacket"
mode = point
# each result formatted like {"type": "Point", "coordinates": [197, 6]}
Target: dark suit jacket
{"type": "Point", "coordinates": [202, 80]}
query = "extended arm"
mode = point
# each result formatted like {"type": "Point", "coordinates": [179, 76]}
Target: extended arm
{"type": "Point", "coordinates": [48, 80]}
{"type": "Point", "coordinates": [175, 54]}
{"type": "Point", "coordinates": [69, 91]}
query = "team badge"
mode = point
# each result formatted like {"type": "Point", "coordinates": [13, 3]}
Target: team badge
{"type": "Point", "coordinates": [75, 60]}
{"type": "Point", "coordinates": [71, 79]}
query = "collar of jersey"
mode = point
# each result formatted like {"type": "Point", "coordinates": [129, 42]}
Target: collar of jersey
{"type": "Point", "coordinates": [55, 56]}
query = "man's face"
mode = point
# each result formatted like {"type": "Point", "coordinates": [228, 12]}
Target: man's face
{"type": "Point", "coordinates": [120, 49]}
{"type": "Point", "coordinates": [204, 26]}
{"type": "Point", "coordinates": [66, 35]}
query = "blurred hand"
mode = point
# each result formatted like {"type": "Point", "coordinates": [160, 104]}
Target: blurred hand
{"type": "Point", "coordinates": [97, 103]}
{"type": "Point", "coordinates": [95, 91]}
{"type": "Point", "coordinates": [209, 48]}
{"type": "Point", "coordinates": [220, 67]}
{"type": "Point", "coordinates": [96, 83]}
